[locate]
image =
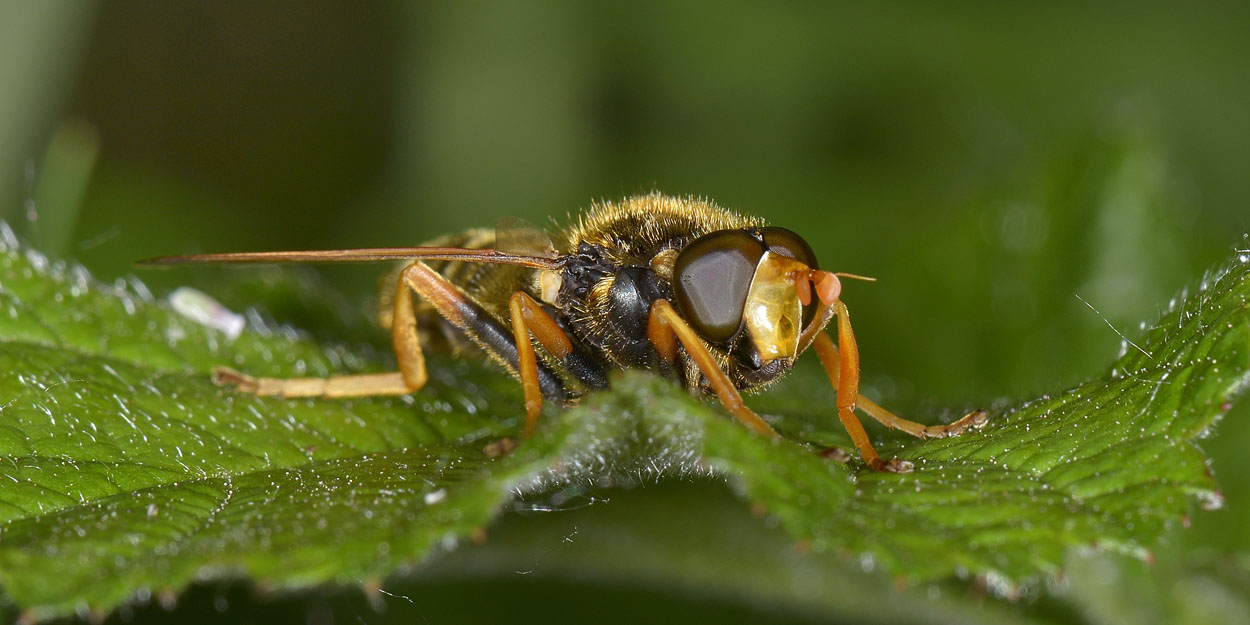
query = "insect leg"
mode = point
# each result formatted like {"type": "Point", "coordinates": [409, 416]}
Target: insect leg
{"type": "Point", "coordinates": [828, 354]}
{"type": "Point", "coordinates": [405, 339]}
{"type": "Point", "coordinates": [528, 316]}
{"type": "Point", "coordinates": [334, 386]}
{"type": "Point", "coordinates": [479, 326]}
{"type": "Point", "coordinates": [844, 371]}
{"type": "Point", "coordinates": [663, 325]}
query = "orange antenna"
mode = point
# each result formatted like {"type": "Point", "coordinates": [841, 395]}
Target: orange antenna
{"type": "Point", "coordinates": [853, 276]}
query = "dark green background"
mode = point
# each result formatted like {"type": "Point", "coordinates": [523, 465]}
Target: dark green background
{"type": "Point", "coordinates": [987, 162]}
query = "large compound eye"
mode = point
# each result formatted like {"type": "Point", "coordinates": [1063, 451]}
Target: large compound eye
{"type": "Point", "coordinates": [787, 243]}
{"type": "Point", "coordinates": [711, 277]}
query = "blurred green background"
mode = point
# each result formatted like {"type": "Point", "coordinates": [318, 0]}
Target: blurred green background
{"type": "Point", "coordinates": [987, 162]}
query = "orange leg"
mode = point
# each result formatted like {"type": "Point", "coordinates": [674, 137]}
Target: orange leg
{"type": "Point", "coordinates": [665, 327]}
{"type": "Point", "coordinates": [411, 376]}
{"type": "Point", "coordinates": [848, 386]}
{"type": "Point", "coordinates": [829, 357]}
{"type": "Point", "coordinates": [528, 316]}
{"type": "Point", "coordinates": [843, 371]}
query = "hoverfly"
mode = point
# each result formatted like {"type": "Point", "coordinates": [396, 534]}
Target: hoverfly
{"type": "Point", "coordinates": [722, 302]}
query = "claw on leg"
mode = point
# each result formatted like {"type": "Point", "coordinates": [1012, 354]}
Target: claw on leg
{"type": "Point", "coordinates": [897, 465]}
{"type": "Point", "coordinates": [225, 376]}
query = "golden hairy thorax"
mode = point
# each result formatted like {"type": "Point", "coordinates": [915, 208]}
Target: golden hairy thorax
{"type": "Point", "coordinates": [635, 228]}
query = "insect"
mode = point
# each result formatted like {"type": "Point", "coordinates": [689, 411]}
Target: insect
{"type": "Point", "coordinates": [722, 302]}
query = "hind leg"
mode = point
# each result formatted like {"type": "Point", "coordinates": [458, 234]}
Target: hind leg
{"type": "Point", "coordinates": [411, 376]}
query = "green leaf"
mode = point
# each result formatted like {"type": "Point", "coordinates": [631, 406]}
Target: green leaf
{"type": "Point", "coordinates": [127, 473]}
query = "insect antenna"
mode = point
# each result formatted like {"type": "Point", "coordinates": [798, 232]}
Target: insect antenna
{"type": "Point", "coordinates": [853, 276]}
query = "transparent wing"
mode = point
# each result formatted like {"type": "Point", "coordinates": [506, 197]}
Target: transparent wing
{"type": "Point", "coordinates": [517, 236]}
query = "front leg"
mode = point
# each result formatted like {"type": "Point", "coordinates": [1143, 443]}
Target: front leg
{"type": "Point", "coordinates": [976, 419]}
{"type": "Point", "coordinates": [843, 370]}
{"type": "Point", "coordinates": [848, 390]}
{"type": "Point", "coordinates": [665, 328]}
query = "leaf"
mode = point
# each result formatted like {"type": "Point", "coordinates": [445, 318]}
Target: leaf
{"type": "Point", "coordinates": [132, 475]}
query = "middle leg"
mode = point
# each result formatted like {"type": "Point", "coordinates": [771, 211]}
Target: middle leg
{"type": "Point", "coordinates": [528, 316]}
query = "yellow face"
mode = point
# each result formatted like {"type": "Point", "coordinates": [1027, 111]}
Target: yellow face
{"type": "Point", "coordinates": [773, 316]}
